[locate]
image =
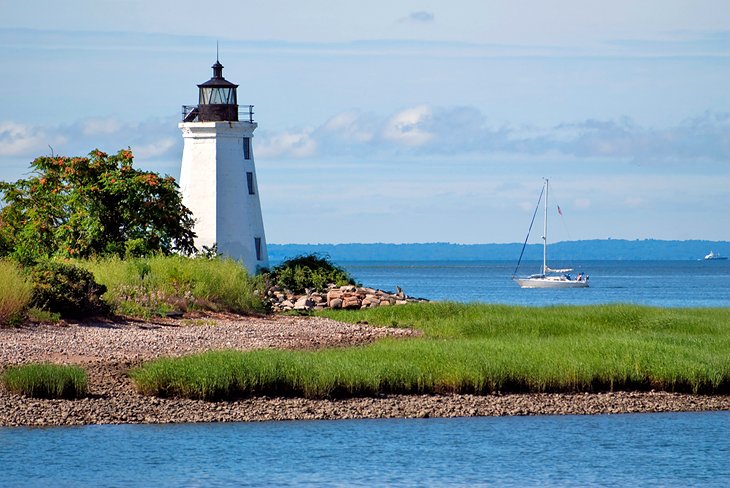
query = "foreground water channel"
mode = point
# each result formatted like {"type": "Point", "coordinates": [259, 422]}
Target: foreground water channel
{"type": "Point", "coordinates": [667, 449]}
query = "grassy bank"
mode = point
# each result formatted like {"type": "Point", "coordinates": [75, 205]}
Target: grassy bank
{"type": "Point", "coordinates": [139, 287]}
{"type": "Point", "coordinates": [155, 285]}
{"type": "Point", "coordinates": [46, 380]}
{"type": "Point", "coordinates": [476, 349]}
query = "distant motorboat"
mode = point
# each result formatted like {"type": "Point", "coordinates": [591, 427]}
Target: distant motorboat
{"type": "Point", "coordinates": [548, 277]}
{"type": "Point", "coordinates": [712, 256]}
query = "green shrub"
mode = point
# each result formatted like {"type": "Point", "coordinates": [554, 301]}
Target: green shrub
{"type": "Point", "coordinates": [15, 293]}
{"type": "Point", "coordinates": [310, 271]}
{"type": "Point", "coordinates": [46, 380]}
{"type": "Point", "coordinates": [67, 289]}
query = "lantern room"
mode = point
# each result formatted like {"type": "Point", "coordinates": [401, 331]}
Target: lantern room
{"type": "Point", "coordinates": [217, 100]}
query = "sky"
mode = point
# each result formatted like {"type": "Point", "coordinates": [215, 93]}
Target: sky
{"type": "Point", "coordinates": [401, 121]}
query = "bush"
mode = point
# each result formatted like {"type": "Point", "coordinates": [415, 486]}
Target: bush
{"type": "Point", "coordinates": [310, 271]}
{"type": "Point", "coordinates": [46, 381]}
{"type": "Point", "coordinates": [15, 293]}
{"type": "Point", "coordinates": [67, 289]}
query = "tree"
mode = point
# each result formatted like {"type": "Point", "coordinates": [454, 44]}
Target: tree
{"type": "Point", "coordinates": [95, 206]}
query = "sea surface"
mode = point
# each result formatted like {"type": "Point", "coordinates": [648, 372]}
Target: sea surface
{"type": "Point", "coordinates": [656, 283]}
{"type": "Point", "coordinates": [677, 449]}
{"type": "Point", "coordinates": [668, 449]}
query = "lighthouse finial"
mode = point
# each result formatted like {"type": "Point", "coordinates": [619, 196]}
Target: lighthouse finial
{"type": "Point", "coordinates": [216, 52]}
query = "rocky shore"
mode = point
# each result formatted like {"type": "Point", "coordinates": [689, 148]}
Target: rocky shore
{"type": "Point", "coordinates": [347, 297]}
{"type": "Point", "coordinates": [108, 349]}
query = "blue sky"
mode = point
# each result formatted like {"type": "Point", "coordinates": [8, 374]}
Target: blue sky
{"type": "Point", "coordinates": [405, 121]}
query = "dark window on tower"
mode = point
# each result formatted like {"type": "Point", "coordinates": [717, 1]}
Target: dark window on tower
{"type": "Point", "coordinates": [249, 179]}
{"type": "Point", "coordinates": [257, 242]}
{"type": "Point", "coordinates": [246, 148]}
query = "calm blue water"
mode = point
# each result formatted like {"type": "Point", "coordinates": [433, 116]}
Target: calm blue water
{"type": "Point", "coordinates": [656, 283]}
{"type": "Point", "coordinates": [691, 449]}
{"type": "Point", "coordinates": [687, 449]}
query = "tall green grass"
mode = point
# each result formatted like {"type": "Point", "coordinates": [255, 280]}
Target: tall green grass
{"type": "Point", "coordinates": [476, 349]}
{"type": "Point", "coordinates": [159, 284]}
{"type": "Point", "coordinates": [44, 380]}
{"type": "Point", "coordinates": [15, 292]}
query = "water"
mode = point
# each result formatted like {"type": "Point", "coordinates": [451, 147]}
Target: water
{"type": "Point", "coordinates": [674, 449]}
{"type": "Point", "coordinates": [656, 283]}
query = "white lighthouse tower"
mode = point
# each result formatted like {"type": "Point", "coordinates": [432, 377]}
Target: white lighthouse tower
{"type": "Point", "coordinates": [218, 177]}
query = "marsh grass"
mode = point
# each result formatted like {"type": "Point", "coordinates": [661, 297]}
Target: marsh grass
{"type": "Point", "coordinates": [156, 285]}
{"type": "Point", "coordinates": [16, 293]}
{"type": "Point", "coordinates": [476, 349]}
{"type": "Point", "coordinates": [45, 380]}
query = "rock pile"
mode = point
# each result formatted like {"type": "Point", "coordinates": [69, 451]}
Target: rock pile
{"type": "Point", "coordinates": [336, 297]}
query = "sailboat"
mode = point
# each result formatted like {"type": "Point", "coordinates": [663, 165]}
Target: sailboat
{"type": "Point", "coordinates": [548, 277]}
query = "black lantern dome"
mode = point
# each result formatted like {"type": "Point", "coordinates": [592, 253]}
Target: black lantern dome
{"type": "Point", "coordinates": [217, 100]}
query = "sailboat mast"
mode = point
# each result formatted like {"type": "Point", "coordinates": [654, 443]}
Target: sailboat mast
{"type": "Point", "coordinates": [545, 229]}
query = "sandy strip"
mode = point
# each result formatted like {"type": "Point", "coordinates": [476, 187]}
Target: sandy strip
{"type": "Point", "coordinates": [108, 349]}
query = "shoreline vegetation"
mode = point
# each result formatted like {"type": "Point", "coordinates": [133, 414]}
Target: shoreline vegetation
{"type": "Point", "coordinates": [191, 339]}
{"type": "Point", "coordinates": [474, 349]}
{"type": "Point", "coordinates": [685, 352]}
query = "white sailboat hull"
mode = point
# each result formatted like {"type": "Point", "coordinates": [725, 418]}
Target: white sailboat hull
{"type": "Point", "coordinates": [550, 282]}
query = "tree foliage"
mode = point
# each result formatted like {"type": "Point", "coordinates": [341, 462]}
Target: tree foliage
{"type": "Point", "coordinates": [92, 206]}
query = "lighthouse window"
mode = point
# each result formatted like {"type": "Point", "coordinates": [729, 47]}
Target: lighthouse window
{"type": "Point", "coordinates": [249, 179]}
{"type": "Point", "coordinates": [216, 96]}
{"type": "Point", "coordinates": [246, 148]}
{"type": "Point", "coordinates": [257, 242]}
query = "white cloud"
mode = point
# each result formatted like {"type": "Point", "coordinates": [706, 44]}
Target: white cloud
{"type": "Point", "coordinates": [407, 126]}
{"type": "Point", "coordinates": [155, 142]}
{"type": "Point", "coordinates": [156, 148]}
{"type": "Point", "coordinates": [452, 132]}
{"type": "Point", "coordinates": [294, 144]}
{"type": "Point", "coordinates": [24, 140]}
{"type": "Point", "coordinates": [705, 138]}
{"type": "Point", "coordinates": [465, 131]}
{"type": "Point", "coordinates": [350, 126]}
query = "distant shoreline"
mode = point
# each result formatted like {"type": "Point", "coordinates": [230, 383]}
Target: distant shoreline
{"type": "Point", "coordinates": [107, 350]}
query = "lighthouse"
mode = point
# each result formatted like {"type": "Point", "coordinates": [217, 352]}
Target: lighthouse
{"type": "Point", "coordinates": [218, 176]}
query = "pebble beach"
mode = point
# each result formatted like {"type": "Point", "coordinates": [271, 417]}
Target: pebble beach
{"type": "Point", "coordinates": [108, 349]}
